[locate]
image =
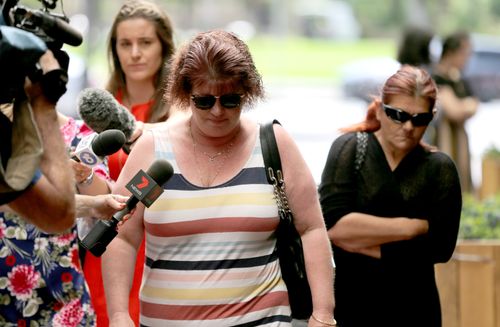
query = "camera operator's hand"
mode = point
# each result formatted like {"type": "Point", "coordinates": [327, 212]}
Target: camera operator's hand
{"type": "Point", "coordinates": [50, 202]}
{"type": "Point", "coordinates": [50, 81]}
{"type": "Point", "coordinates": [48, 62]}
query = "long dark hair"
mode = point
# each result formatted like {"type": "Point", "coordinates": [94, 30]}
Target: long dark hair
{"type": "Point", "coordinates": [414, 47]}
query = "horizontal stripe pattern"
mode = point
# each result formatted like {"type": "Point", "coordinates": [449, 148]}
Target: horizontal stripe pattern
{"type": "Point", "coordinates": [210, 312]}
{"type": "Point", "coordinates": [211, 252]}
{"type": "Point", "coordinates": [200, 200]}
{"type": "Point", "coordinates": [210, 264]}
{"type": "Point", "coordinates": [246, 176]}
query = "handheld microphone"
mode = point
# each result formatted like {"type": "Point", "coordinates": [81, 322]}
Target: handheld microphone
{"type": "Point", "coordinates": [100, 111]}
{"type": "Point", "coordinates": [92, 148]}
{"type": "Point", "coordinates": [145, 187]}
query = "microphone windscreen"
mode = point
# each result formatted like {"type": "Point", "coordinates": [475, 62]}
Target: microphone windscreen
{"type": "Point", "coordinates": [100, 111]}
{"type": "Point", "coordinates": [160, 171]}
{"type": "Point", "coordinates": [108, 142]}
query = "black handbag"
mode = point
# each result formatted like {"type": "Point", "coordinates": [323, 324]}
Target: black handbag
{"type": "Point", "coordinates": [289, 244]}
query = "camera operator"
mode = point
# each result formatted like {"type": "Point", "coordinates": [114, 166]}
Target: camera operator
{"type": "Point", "coordinates": [43, 282]}
{"type": "Point", "coordinates": [49, 201]}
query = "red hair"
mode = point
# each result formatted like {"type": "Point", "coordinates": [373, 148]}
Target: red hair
{"type": "Point", "coordinates": [408, 80]}
{"type": "Point", "coordinates": [213, 56]}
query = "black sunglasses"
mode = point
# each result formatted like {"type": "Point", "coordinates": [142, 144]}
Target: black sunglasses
{"type": "Point", "coordinates": [399, 116]}
{"type": "Point", "coordinates": [206, 102]}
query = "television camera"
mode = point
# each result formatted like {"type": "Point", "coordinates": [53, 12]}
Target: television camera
{"type": "Point", "coordinates": [25, 35]}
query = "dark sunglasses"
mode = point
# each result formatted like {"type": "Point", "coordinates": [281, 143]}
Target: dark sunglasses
{"type": "Point", "coordinates": [206, 102]}
{"type": "Point", "coordinates": [399, 116]}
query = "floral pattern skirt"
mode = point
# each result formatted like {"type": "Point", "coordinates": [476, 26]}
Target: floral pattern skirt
{"type": "Point", "coordinates": [41, 280]}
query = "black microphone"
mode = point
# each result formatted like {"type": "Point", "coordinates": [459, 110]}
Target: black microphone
{"type": "Point", "coordinates": [92, 148]}
{"type": "Point", "coordinates": [100, 111]}
{"type": "Point", "coordinates": [145, 187]}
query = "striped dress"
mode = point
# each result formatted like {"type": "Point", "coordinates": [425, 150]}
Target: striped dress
{"type": "Point", "coordinates": [211, 251]}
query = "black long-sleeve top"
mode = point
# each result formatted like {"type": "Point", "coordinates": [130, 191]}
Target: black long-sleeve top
{"type": "Point", "coordinates": [399, 289]}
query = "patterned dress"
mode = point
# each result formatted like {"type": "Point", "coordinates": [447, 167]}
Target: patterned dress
{"type": "Point", "coordinates": [41, 280]}
{"type": "Point", "coordinates": [211, 252]}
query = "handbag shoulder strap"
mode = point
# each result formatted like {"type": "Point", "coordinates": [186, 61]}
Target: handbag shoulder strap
{"type": "Point", "coordinates": [274, 174]}
{"type": "Point", "coordinates": [270, 150]}
{"type": "Point", "coordinates": [361, 144]}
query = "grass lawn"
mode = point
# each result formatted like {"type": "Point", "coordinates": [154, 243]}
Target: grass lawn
{"type": "Point", "coordinates": [318, 60]}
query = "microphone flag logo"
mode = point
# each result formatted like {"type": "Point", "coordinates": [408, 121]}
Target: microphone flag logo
{"type": "Point", "coordinates": [84, 151]}
{"type": "Point", "coordinates": [88, 158]}
{"type": "Point", "coordinates": [144, 188]}
{"type": "Point", "coordinates": [144, 183]}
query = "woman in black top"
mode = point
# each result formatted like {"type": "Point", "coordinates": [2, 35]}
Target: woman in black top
{"type": "Point", "coordinates": [392, 208]}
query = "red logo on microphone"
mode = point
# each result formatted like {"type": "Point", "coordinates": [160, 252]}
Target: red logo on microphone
{"type": "Point", "coordinates": [144, 183]}
{"type": "Point", "coordinates": [144, 188]}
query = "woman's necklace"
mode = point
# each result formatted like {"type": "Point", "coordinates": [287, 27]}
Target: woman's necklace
{"type": "Point", "coordinates": [213, 160]}
{"type": "Point", "coordinates": [212, 157]}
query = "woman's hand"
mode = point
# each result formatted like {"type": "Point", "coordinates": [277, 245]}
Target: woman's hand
{"type": "Point", "coordinates": [102, 206]}
{"type": "Point", "coordinates": [81, 172]}
{"type": "Point", "coordinates": [106, 205]}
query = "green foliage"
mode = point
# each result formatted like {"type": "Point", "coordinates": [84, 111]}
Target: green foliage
{"type": "Point", "coordinates": [294, 57]}
{"type": "Point", "coordinates": [492, 152]}
{"type": "Point", "coordinates": [480, 219]}
{"type": "Point", "coordinates": [442, 16]}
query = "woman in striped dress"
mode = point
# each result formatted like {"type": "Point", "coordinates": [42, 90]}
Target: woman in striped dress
{"type": "Point", "coordinates": [210, 243]}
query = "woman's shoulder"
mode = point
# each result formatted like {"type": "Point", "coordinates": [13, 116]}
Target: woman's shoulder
{"type": "Point", "coordinates": [345, 142]}
{"type": "Point", "coordinates": [249, 123]}
{"type": "Point", "coordinates": [440, 171]}
{"type": "Point", "coordinates": [168, 130]}
{"type": "Point", "coordinates": [347, 137]}
{"type": "Point", "coordinates": [440, 161]}
{"type": "Point", "coordinates": [171, 125]}
{"type": "Point", "coordinates": [439, 157]}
